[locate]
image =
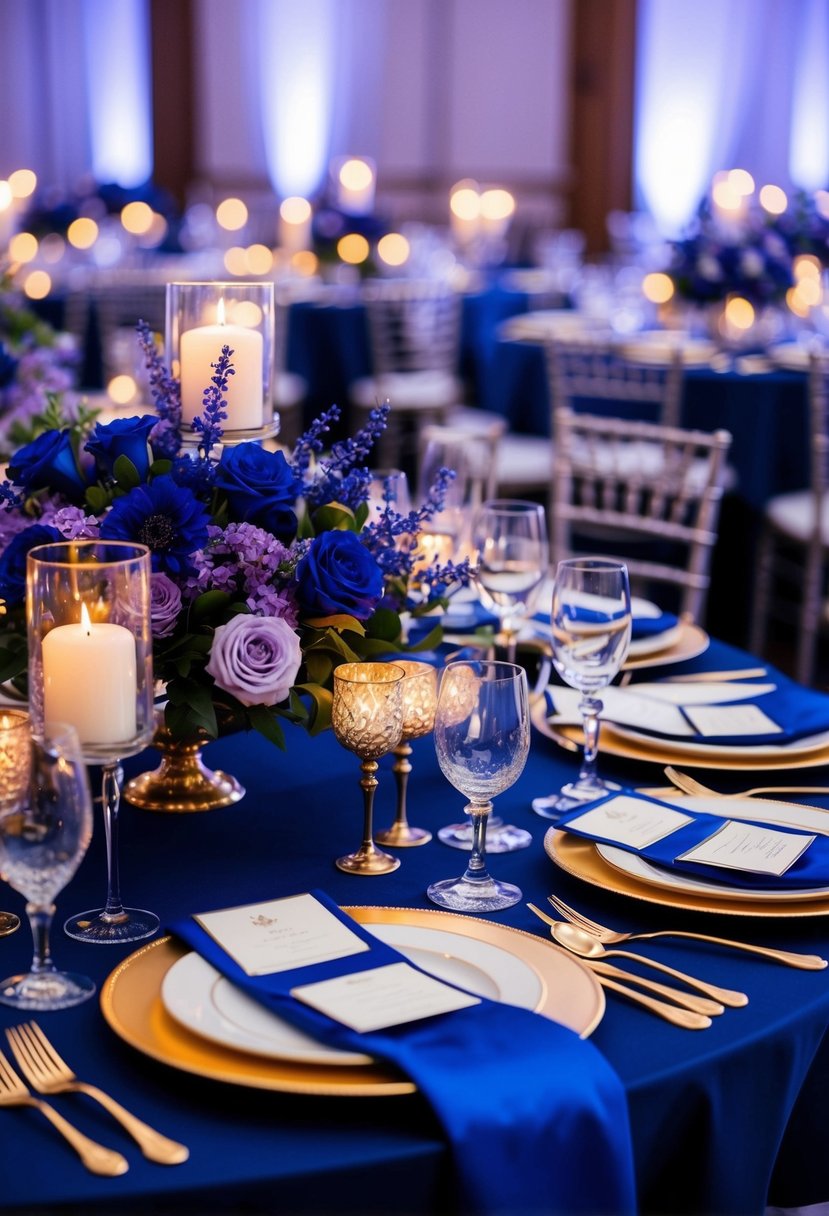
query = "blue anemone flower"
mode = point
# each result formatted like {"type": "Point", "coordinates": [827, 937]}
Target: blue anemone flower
{"type": "Point", "coordinates": [165, 517]}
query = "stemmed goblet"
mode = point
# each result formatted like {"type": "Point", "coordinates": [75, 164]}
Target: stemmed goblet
{"type": "Point", "coordinates": [45, 829]}
{"type": "Point", "coordinates": [590, 623]}
{"type": "Point", "coordinates": [510, 540]}
{"type": "Point", "coordinates": [367, 719]}
{"type": "Point", "coordinates": [482, 739]}
{"type": "Point", "coordinates": [90, 664]}
{"type": "Point", "coordinates": [419, 690]}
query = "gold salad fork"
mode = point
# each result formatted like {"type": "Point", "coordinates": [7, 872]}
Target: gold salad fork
{"type": "Point", "coordinates": [95, 1157]}
{"type": "Point", "coordinates": [608, 937]}
{"type": "Point", "coordinates": [44, 1069]}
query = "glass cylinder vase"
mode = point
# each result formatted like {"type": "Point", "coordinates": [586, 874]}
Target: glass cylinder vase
{"type": "Point", "coordinates": [202, 318]}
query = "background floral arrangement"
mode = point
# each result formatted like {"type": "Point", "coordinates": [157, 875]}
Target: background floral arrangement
{"type": "Point", "coordinates": [749, 257]}
{"type": "Point", "coordinates": [35, 362]}
{"type": "Point", "coordinates": [267, 569]}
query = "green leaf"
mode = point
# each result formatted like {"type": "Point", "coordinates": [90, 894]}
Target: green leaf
{"type": "Point", "coordinates": [262, 719]}
{"type": "Point", "coordinates": [125, 473]}
{"type": "Point", "coordinates": [384, 623]}
{"type": "Point", "coordinates": [159, 467]}
{"type": "Point", "coordinates": [184, 721]}
{"type": "Point", "coordinates": [319, 667]}
{"type": "Point", "coordinates": [334, 517]}
{"type": "Point", "coordinates": [97, 499]}
{"type": "Point", "coordinates": [341, 622]}
{"type": "Point", "coordinates": [207, 604]}
{"type": "Point", "coordinates": [321, 702]}
{"type": "Point", "coordinates": [433, 638]}
{"type": "Point", "coordinates": [14, 656]}
{"type": "Point", "coordinates": [361, 514]}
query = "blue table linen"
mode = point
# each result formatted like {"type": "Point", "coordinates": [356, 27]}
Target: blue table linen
{"type": "Point", "coordinates": [536, 1118]}
{"type": "Point", "coordinates": [810, 870]}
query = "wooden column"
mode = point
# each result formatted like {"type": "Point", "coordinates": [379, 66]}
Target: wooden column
{"type": "Point", "coordinates": [173, 77]}
{"type": "Point", "coordinates": [601, 148]}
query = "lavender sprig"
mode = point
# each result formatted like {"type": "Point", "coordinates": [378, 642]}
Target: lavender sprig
{"type": "Point", "coordinates": [166, 393]}
{"type": "Point", "coordinates": [340, 478]}
{"type": "Point", "coordinates": [209, 423]}
{"type": "Point", "coordinates": [310, 442]}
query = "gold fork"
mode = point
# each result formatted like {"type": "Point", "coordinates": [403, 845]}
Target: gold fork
{"type": "Point", "coordinates": [44, 1069]}
{"type": "Point", "coordinates": [607, 936]}
{"type": "Point", "coordinates": [690, 785]}
{"type": "Point", "coordinates": [95, 1157]}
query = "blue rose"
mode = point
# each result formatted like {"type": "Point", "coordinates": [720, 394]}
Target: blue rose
{"type": "Point", "coordinates": [122, 437]}
{"type": "Point", "coordinates": [261, 488]}
{"type": "Point", "coordinates": [13, 560]}
{"type": "Point", "coordinates": [48, 463]}
{"type": "Point", "coordinates": [338, 574]}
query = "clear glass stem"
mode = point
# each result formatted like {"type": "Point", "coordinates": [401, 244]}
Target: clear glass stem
{"type": "Point", "coordinates": [112, 779]}
{"type": "Point", "coordinates": [40, 920]}
{"type": "Point", "coordinates": [476, 870]}
{"type": "Point", "coordinates": [590, 708]}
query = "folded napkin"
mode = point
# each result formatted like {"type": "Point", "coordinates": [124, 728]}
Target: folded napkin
{"type": "Point", "coordinates": [748, 852]}
{"type": "Point", "coordinates": [651, 626]}
{"type": "Point", "coordinates": [536, 1118]}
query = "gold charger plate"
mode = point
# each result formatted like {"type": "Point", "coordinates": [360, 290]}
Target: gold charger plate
{"type": "Point", "coordinates": [580, 858]}
{"type": "Point", "coordinates": [690, 642]}
{"type": "Point", "coordinates": [131, 1004]}
{"type": "Point", "coordinates": [613, 743]}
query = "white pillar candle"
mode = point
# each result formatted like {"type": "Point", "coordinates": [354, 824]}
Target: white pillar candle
{"type": "Point", "coordinates": [201, 347]}
{"type": "Point", "coordinates": [90, 680]}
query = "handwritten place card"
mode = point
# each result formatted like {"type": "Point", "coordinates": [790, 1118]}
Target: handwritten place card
{"type": "Point", "coordinates": [749, 847]}
{"type": "Point", "coordinates": [281, 934]}
{"type": "Point", "coordinates": [385, 996]}
{"type": "Point", "coordinates": [630, 821]}
{"type": "Point", "coordinates": [731, 720]}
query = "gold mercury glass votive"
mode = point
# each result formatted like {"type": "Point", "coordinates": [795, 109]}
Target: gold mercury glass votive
{"type": "Point", "coordinates": [367, 719]}
{"type": "Point", "coordinates": [420, 695]}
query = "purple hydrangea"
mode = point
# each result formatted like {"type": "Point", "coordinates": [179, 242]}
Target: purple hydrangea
{"type": "Point", "coordinates": [255, 659]}
{"type": "Point", "coordinates": [244, 560]}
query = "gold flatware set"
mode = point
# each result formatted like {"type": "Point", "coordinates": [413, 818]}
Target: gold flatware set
{"type": "Point", "coordinates": [47, 1073]}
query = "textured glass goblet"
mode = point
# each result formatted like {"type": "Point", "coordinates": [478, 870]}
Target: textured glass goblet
{"type": "Point", "coordinates": [512, 555]}
{"type": "Point", "coordinates": [45, 829]}
{"type": "Point", "coordinates": [420, 693]}
{"type": "Point", "coordinates": [482, 739]}
{"type": "Point", "coordinates": [367, 719]}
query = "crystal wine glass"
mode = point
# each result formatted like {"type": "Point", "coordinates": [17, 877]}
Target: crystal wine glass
{"type": "Point", "coordinates": [482, 739]}
{"type": "Point", "coordinates": [590, 623]}
{"type": "Point", "coordinates": [367, 719]}
{"type": "Point", "coordinates": [45, 829]}
{"type": "Point", "coordinates": [510, 539]}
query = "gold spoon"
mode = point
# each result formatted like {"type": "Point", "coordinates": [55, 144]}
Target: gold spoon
{"type": "Point", "coordinates": [690, 785]}
{"type": "Point", "coordinates": [578, 941]}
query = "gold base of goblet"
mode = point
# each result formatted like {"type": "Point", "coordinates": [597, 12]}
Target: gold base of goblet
{"type": "Point", "coordinates": [182, 783]}
{"type": "Point", "coordinates": [9, 923]}
{"type": "Point", "coordinates": [367, 860]}
{"type": "Point", "coordinates": [402, 836]}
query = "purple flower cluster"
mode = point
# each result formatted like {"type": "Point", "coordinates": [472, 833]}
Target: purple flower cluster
{"type": "Point", "coordinates": [247, 561]}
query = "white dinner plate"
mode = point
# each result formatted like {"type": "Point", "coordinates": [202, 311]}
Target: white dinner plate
{"type": "Point", "coordinates": [743, 751]}
{"type": "Point", "coordinates": [790, 815]}
{"type": "Point", "coordinates": [658, 347]}
{"type": "Point", "coordinates": [202, 1000]}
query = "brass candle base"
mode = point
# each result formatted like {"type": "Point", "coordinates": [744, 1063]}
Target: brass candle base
{"type": "Point", "coordinates": [401, 835]}
{"type": "Point", "coordinates": [182, 783]}
{"type": "Point", "coordinates": [368, 859]}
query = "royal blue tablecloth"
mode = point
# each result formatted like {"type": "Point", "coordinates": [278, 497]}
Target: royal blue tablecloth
{"type": "Point", "coordinates": [723, 1120]}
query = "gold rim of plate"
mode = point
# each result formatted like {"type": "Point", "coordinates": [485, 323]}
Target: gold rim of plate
{"type": "Point", "coordinates": [581, 859]}
{"type": "Point", "coordinates": [613, 743]}
{"type": "Point", "coordinates": [690, 642]}
{"type": "Point", "coordinates": [132, 1006]}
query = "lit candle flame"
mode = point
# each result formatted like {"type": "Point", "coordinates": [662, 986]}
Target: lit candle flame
{"type": "Point", "coordinates": [85, 619]}
{"type": "Point", "coordinates": [220, 312]}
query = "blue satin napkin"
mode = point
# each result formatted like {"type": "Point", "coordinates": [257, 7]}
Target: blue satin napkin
{"type": "Point", "coordinates": [536, 1118]}
{"type": "Point", "coordinates": [810, 870]}
{"type": "Point", "coordinates": [650, 626]}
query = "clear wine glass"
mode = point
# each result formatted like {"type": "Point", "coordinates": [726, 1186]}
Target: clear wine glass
{"type": "Point", "coordinates": [510, 540]}
{"type": "Point", "coordinates": [482, 739]}
{"type": "Point", "coordinates": [45, 830]}
{"type": "Point", "coordinates": [590, 623]}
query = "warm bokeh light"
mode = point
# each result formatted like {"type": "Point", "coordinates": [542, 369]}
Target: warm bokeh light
{"type": "Point", "coordinates": [393, 248]}
{"type": "Point", "coordinates": [37, 285]}
{"type": "Point", "coordinates": [725, 196]}
{"type": "Point", "coordinates": [497, 204]}
{"type": "Point", "coordinates": [465, 203]}
{"type": "Point", "coordinates": [156, 232]}
{"type": "Point", "coordinates": [657, 287]}
{"type": "Point", "coordinates": [796, 303]}
{"type": "Point", "coordinates": [122, 389]}
{"type": "Point", "coordinates": [773, 199]}
{"type": "Point", "coordinates": [259, 259]}
{"type": "Point", "coordinates": [806, 266]}
{"type": "Point", "coordinates": [809, 291]}
{"type": "Point", "coordinates": [236, 261]}
{"type": "Point", "coordinates": [23, 182]}
{"type": "Point", "coordinates": [353, 248]}
{"type": "Point", "coordinates": [741, 181]}
{"type": "Point", "coordinates": [739, 313]}
{"type": "Point", "coordinates": [246, 313]}
{"type": "Point", "coordinates": [356, 174]}
{"type": "Point", "coordinates": [137, 218]}
{"type": "Point", "coordinates": [23, 247]}
{"type": "Point", "coordinates": [5, 195]}
{"type": "Point", "coordinates": [52, 247]}
{"type": "Point", "coordinates": [295, 210]}
{"type": "Point", "coordinates": [231, 214]}
{"type": "Point", "coordinates": [822, 203]}
{"type": "Point", "coordinates": [82, 233]}
{"type": "Point", "coordinates": [305, 262]}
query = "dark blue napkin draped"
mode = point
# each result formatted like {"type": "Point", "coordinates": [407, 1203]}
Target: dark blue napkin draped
{"type": "Point", "coordinates": [810, 870]}
{"type": "Point", "coordinates": [536, 1118]}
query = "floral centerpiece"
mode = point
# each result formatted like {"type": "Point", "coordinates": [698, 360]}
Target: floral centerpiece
{"type": "Point", "coordinates": [36, 362]}
{"type": "Point", "coordinates": [747, 257]}
{"type": "Point", "coordinates": [268, 570]}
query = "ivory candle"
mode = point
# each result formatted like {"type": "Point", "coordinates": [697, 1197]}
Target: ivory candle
{"type": "Point", "coordinates": [90, 679]}
{"type": "Point", "coordinates": [201, 347]}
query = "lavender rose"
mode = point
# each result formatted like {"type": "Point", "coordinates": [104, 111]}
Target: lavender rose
{"type": "Point", "coordinates": [165, 605]}
{"type": "Point", "coordinates": [255, 659]}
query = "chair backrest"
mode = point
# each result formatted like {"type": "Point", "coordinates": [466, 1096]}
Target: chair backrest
{"type": "Point", "coordinates": [818, 392]}
{"type": "Point", "coordinates": [414, 325]}
{"type": "Point", "coordinates": [643, 491]}
{"type": "Point", "coordinates": [583, 373]}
